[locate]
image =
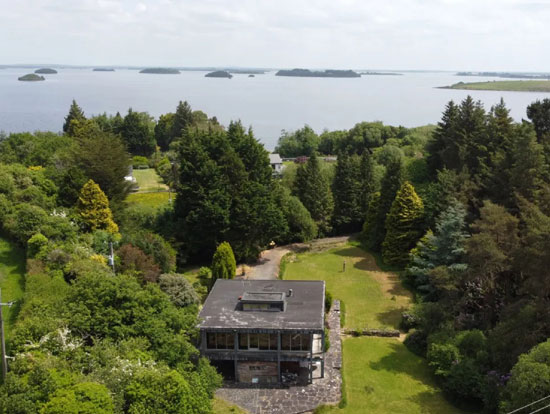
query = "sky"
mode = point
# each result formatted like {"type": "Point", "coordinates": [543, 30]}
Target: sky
{"type": "Point", "coordinates": [499, 35]}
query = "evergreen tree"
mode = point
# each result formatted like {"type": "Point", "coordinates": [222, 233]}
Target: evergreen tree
{"type": "Point", "coordinates": [444, 247]}
{"type": "Point", "coordinates": [313, 190]}
{"type": "Point", "coordinates": [404, 226]}
{"type": "Point", "coordinates": [367, 181]}
{"type": "Point", "coordinates": [368, 234]}
{"type": "Point", "coordinates": [137, 134]}
{"type": "Point", "coordinates": [348, 215]}
{"type": "Point", "coordinates": [163, 131]}
{"type": "Point", "coordinates": [93, 208]}
{"type": "Point", "coordinates": [75, 114]}
{"type": "Point", "coordinates": [442, 148]}
{"type": "Point", "coordinates": [182, 119]}
{"type": "Point", "coordinates": [223, 263]}
{"type": "Point", "coordinates": [539, 114]}
{"type": "Point", "coordinates": [390, 185]}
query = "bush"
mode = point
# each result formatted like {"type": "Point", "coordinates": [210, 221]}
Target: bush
{"type": "Point", "coordinates": [223, 263]}
{"type": "Point", "coordinates": [179, 290]}
{"type": "Point", "coordinates": [442, 357]}
{"type": "Point", "coordinates": [328, 301]}
{"type": "Point", "coordinates": [133, 259]}
{"type": "Point", "coordinates": [83, 398]}
{"type": "Point", "coordinates": [417, 342]}
{"type": "Point", "coordinates": [140, 162]}
{"type": "Point", "coordinates": [35, 244]}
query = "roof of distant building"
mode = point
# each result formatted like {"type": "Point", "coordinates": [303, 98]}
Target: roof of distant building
{"type": "Point", "coordinates": [275, 159]}
{"type": "Point", "coordinates": [304, 305]}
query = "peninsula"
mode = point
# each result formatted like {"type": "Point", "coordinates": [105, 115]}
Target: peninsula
{"type": "Point", "coordinates": [161, 71]}
{"type": "Point", "coordinates": [46, 71]}
{"type": "Point", "coordinates": [510, 75]}
{"type": "Point", "coordinates": [511, 85]}
{"type": "Point", "coordinates": [330, 73]}
{"type": "Point", "coordinates": [219, 74]}
{"type": "Point", "coordinates": [31, 77]}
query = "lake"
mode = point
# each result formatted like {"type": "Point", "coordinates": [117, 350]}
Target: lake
{"type": "Point", "coordinates": [267, 102]}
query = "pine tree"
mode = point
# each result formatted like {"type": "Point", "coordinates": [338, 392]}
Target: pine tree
{"type": "Point", "coordinates": [366, 180]}
{"type": "Point", "coordinates": [404, 226]}
{"type": "Point", "coordinates": [223, 263]}
{"type": "Point", "coordinates": [163, 131]}
{"type": "Point", "coordinates": [93, 208]}
{"type": "Point", "coordinates": [75, 114]}
{"type": "Point", "coordinates": [182, 119]}
{"type": "Point", "coordinates": [346, 189]}
{"type": "Point", "coordinates": [313, 190]}
{"type": "Point", "coordinates": [391, 182]}
{"type": "Point", "coordinates": [368, 234]}
{"type": "Point", "coordinates": [442, 147]}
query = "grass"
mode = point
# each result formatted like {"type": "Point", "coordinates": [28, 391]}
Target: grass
{"type": "Point", "coordinates": [223, 407]}
{"type": "Point", "coordinates": [149, 181]}
{"type": "Point", "coordinates": [12, 280]}
{"type": "Point", "coordinates": [153, 200]}
{"type": "Point", "coordinates": [374, 299]}
{"type": "Point", "coordinates": [380, 375]}
{"type": "Point", "coordinates": [507, 85]}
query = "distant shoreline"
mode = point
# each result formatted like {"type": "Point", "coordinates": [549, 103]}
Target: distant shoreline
{"type": "Point", "coordinates": [509, 86]}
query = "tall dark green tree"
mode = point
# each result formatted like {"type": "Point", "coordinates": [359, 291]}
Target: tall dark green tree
{"type": "Point", "coordinates": [367, 181]}
{"type": "Point", "coordinates": [443, 147]}
{"type": "Point", "coordinates": [313, 190]}
{"type": "Point", "coordinates": [348, 215]}
{"type": "Point", "coordinates": [75, 114]}
{"type": "Point", "coordinates": [182, 119]}
{"type": "Point", "coordinates": [163, 131]}
{"type": "Point", "coordinates": [137, 133]}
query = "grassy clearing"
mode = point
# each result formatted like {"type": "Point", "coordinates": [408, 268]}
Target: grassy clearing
{"type": "Point", "coordinates": [12, 280]}
{"type": "Point", "coordinates": [223, 407]}
{"type": "Point", "coordinates": [149, 181]}
{"type": "Point", "coordinates": [508, 85]}
{"type": "Point", "coordinates": [380, 374]}
{"type": "Point", "coordinates": [153, 200]}
{"type": "Point", "coordinates": [374, 299]}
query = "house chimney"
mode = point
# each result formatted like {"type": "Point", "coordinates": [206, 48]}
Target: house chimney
{"type": "Point", "coordinates": [289, 294]}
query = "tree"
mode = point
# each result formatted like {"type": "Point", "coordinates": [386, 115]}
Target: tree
{"type": "Point", "coordinates": [137, 133]}
{"type": "Point", "coordinates": [181, 120]}
{"type": "Point", "coordinates": [134, 260]}
{"type": "Point", "coordinates": [83, 398]}
{"type": "Point", "coordinates": [313, 190]}
{"type": "Point", "coordinates": [366, 181]}
{"type": "Point", "coordinates": [404, 225]}
{"type": "Point", "coordinates": [75, 114]}
{"type": "Point", "coordinates": [163, 131]}
{"type": "Point", "coordinates": [347, 216]}
{"type": "Point", "coordinates": [302, 142]}
{"type": "Point", "coordinates": [539, 114]}
{"type": "Point", "coordinates": [179, 290]}
{"type": "Point", "coordinates": [93, 208]}
{"type": "Point", "coordinates": [298, 226]}
{"type": "Point", "coordinates": [223, 263]}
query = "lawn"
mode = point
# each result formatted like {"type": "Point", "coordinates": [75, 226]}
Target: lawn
{"type": "Point", "coordinates": [149, 181]}
{"type": "Point", "coordinates": [380, 374]}
{"type": "Point", "coordinates": [153, 200]}
{"type": "Point", "coordinates": [373, 298]}
{"type": "Point", "coordinates": [12, 280]}
{"type": "Point", "coordinates": [507, 85]}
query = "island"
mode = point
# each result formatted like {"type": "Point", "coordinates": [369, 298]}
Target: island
{"type": "Point", "coordinates": [514, 86]}
{"type": "Point", "coordinates": [46, 71]}
{"type": "Point", "coordinates": [31, 77]}
{"type": "Point", "coordinates": [251, 76]}
{"type": "Point", "coordinates": [246, 71]}
{"type": "Point", "coordinates": [103, 70]}
{"type": "Point", "coordinates": [161, 71]}
{"type": "Point", "coordinates": [219, 74]}
{"type": "Point", "coordinates": [381, 74]}
{"type": "Point", "coordinates": [330, 73]}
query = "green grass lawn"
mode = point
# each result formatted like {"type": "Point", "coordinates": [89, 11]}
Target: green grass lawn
{"type": "Point", "coordinates": [373, 298]}
{"type": "Point", "coordinates": [506, 85]}
{"type": "Point", "coordinates": [381, 375]}
{"type": "Point", "coordinates": [12, 280]}
{"type": "Point", "coordinates": [153, 200]}
{"type": "Point", "coordinates": [149, 181]}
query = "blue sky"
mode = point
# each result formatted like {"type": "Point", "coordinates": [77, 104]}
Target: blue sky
{"type": "Point", "coordinates": [392, 34]}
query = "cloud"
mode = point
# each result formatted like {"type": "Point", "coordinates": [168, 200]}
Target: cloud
{"type": "Point", "coordinates": [399, 34]}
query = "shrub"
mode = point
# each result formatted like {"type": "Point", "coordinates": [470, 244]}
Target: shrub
{"type": "Point", "coordinates": [83, 398]}
{"type": "Point", "coordinates": [93, 208]}
{"type": "Point", "coordinates": [140, 162]}
{"type": "Point", "coordinates": [328, 301]}
{"type": "Point", "coordinates": [179, 290]}
{"type": "Point", "coordinates": [417, 343]}
{"type": "Point", "coordinates": [35, 245]}
{"type": "Point", "coordinates": [223, 263]}
{"type": "Point", "coordinates": [442, 357]}
{"type": "Point", "coordinates": [133, 259]}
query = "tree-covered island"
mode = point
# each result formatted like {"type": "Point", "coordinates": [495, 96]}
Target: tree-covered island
{"type": "Point", "coordinates": [46, 71]}
{"type": "Point", "coordinates": [161, 71]}
{"type": "Point", "coordinates": [329, 73]}
{"type": "Point", "coordinates": [219, 74]}
{"type": "Point", "coordinates": [31, 77]}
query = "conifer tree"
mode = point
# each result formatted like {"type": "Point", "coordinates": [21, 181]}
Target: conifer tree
{"type": "Point", "coordinates": [93, 208]}
{"type": "Point", "coordinates": [137, 133]}
{"type": "Point", "coordinates": [346, 189]}
{"type": "Point", "coordinates": [368, 234]}
{"type": "Point", "coordinates": [182, 119]}
{"type": "Point", "coordinates": [367, 182]}
{"type": "Point", "coordinates": [442, 147]}
{"type": "Point", "coordinates": [313, 190]}
{"type": "Point", "coordinates": [404, 226]}
{"type": "Point", "coordinates": [75, 114]}
{"type": "Point", "coordinates": [223, 263]}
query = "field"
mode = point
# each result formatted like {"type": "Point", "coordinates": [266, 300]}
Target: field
{"type": "Point", "coordinates": [373, 298]}
{"type": "Point", "coordinates": [149, 181]}
{"type": "Point", "coordinates": [153, 200]}
{"type": "Point", "coordinates": [508, 85]}
{"type": "Point", "coordinates": [381, 375]}
{"type": "Point", "coordinates": [12, 280]}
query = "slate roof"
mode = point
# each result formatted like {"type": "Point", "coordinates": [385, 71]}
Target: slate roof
{"type": "Point", "coordinates": [304, 308]}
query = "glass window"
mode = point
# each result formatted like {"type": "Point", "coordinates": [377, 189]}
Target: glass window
{"type": "Point", "coordinates": [264, 342]}
{"type": "Point", "coordinates": [252, 341]}
{"type": "Point", "coordinates": [230, 340]}
{"type": "Point", "coordinates": [220, 341]}
{"type": "Point", "coordinates": [273, 342]}
{"type": "Point", "coordinates": [211, 340]}
{"type": "Point", "coordinates": [243, 341]}
{"type": "Point", "coordinates": [296, 342]}
{"type": "Point", "coordinates": [285, 342]}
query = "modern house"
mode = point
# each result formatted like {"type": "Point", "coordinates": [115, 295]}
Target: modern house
{"type": "Point", "coordinates": [265, 331]}
{"type": "Point", "coordinates": [276, 163]}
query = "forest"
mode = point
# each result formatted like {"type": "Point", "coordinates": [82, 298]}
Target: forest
{"type": "Point", "coordinates": [460, 209]}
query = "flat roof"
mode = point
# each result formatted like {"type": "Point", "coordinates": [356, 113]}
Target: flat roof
{"type": "Point", "coordinates": [263, 296]}
{"type": "Point", "coordinates": [304, 309]}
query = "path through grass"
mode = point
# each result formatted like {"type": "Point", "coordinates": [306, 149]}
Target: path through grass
{"type": "Point", "coordinates": [149, 181]}
{"type": "Point", "coordinates": [12, 280]}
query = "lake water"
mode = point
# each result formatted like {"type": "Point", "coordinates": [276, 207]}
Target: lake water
{"type": "Point", "coordinates": [269, 103]}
